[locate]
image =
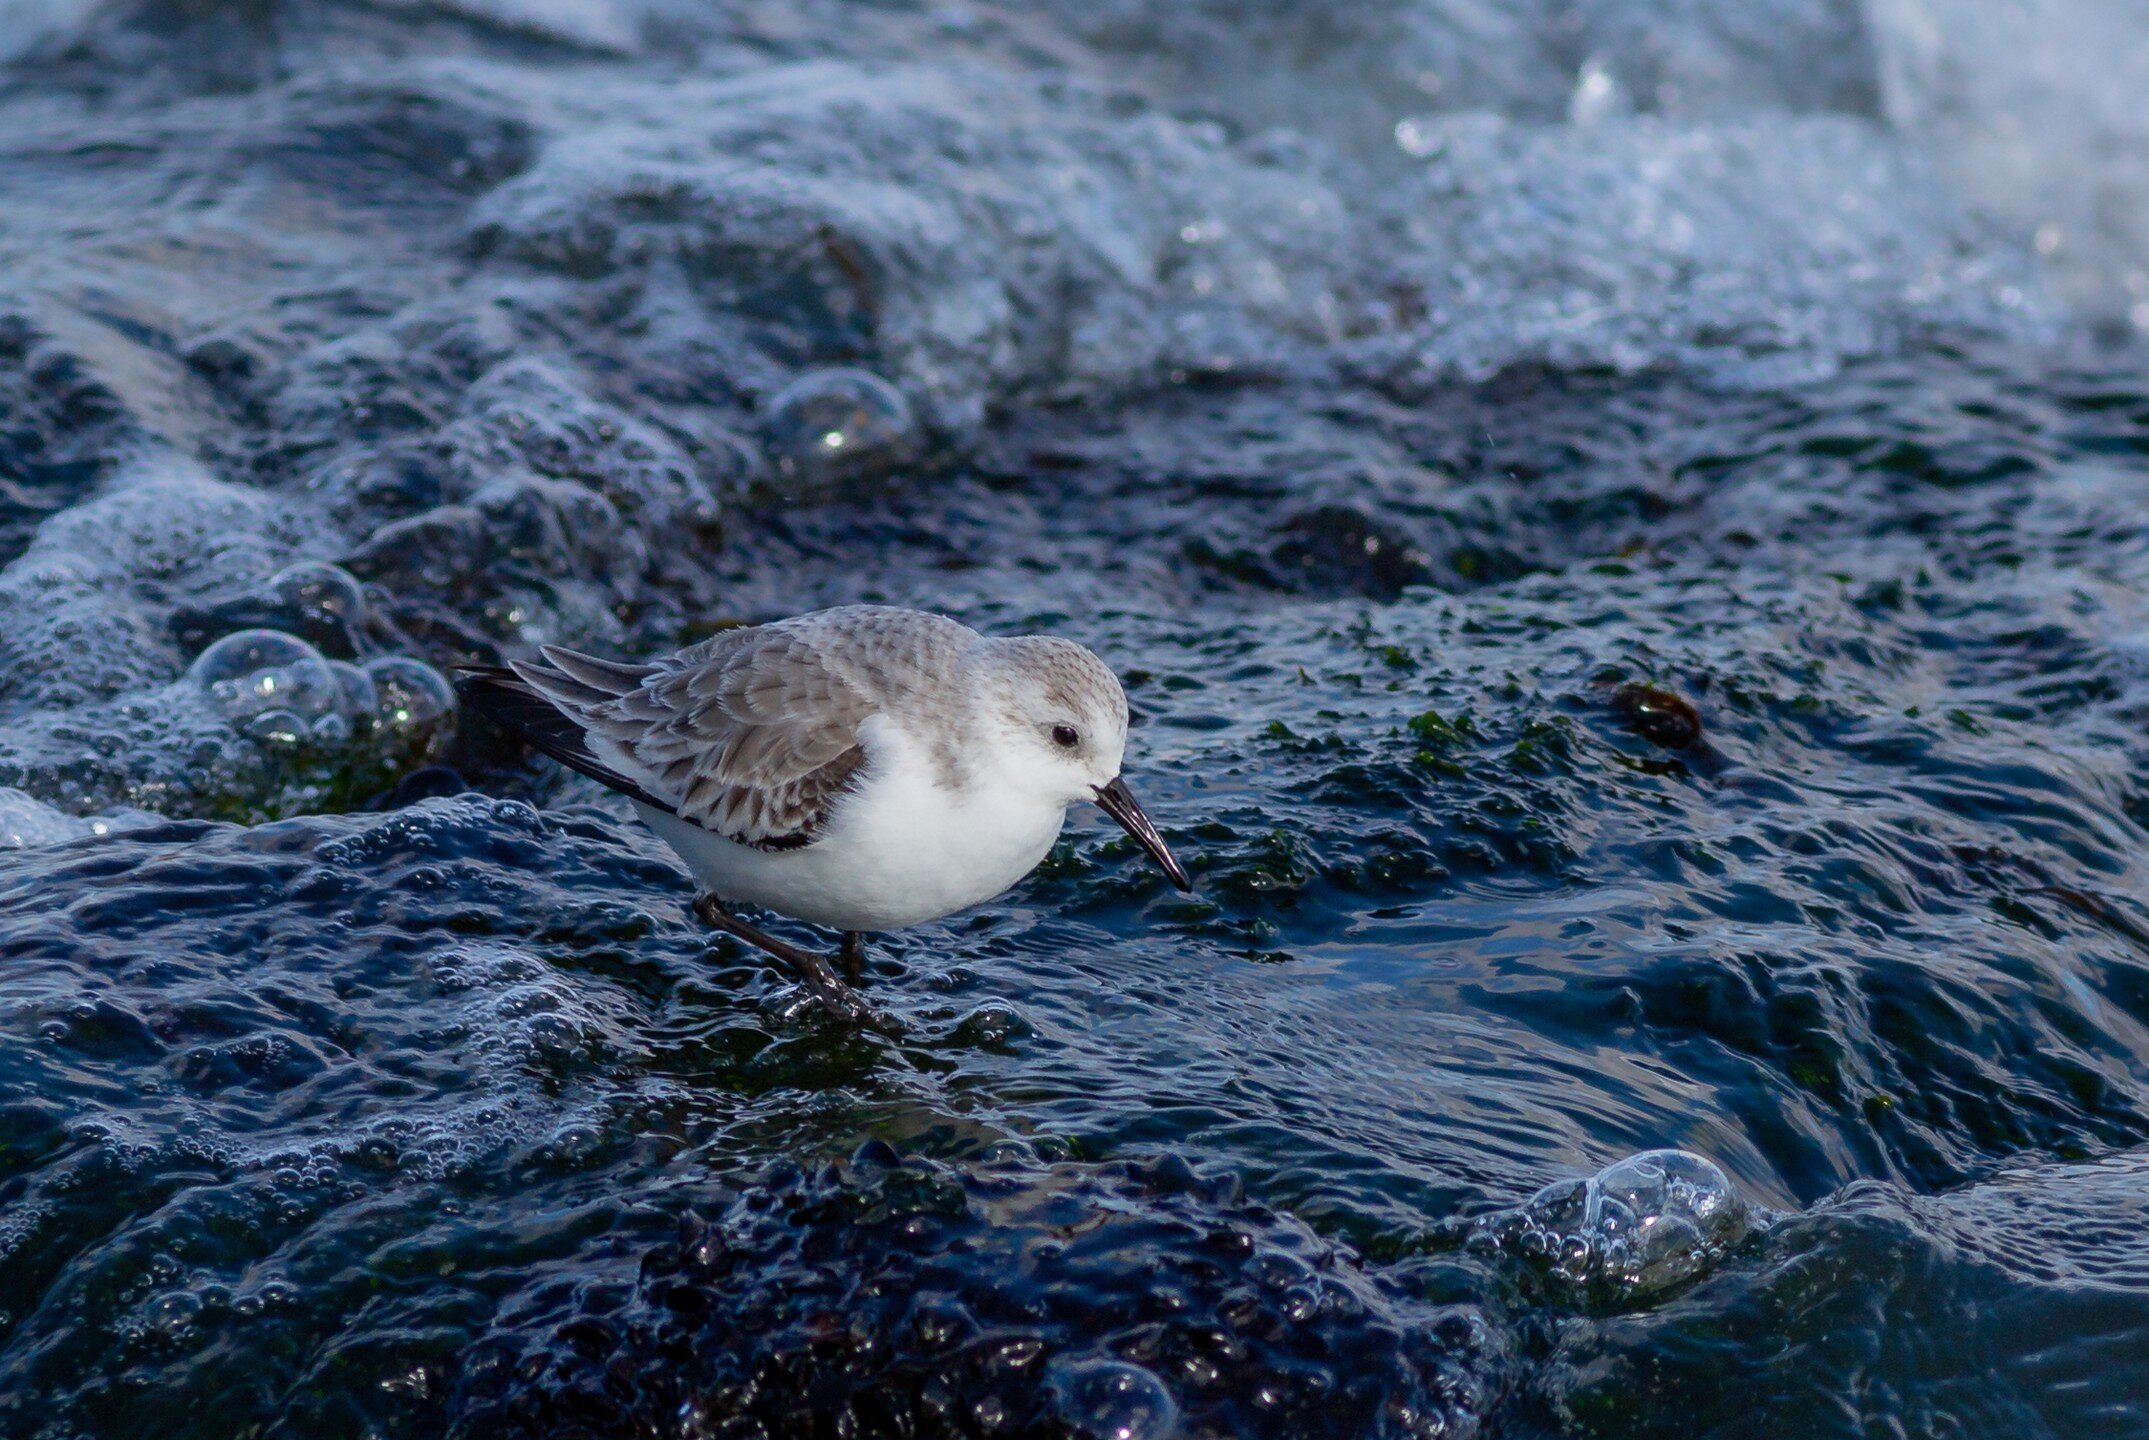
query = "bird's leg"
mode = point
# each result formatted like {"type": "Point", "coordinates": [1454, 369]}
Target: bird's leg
{"type": "Point", "coordinates": [854, 956]}
{"type": "Point", "coordinates": [813, 970]}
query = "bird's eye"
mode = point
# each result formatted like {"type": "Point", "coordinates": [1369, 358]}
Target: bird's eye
{"type": "Point", "coordinates": [1066, 736]}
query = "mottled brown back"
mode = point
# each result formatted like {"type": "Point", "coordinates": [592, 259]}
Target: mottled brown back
{"type": "Point", "coordinates": [753, 733]}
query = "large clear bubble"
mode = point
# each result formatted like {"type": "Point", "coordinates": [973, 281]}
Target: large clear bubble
{"type": "Point", "coordinates": [414, 707]}
{"type": "Point", "coordinates": [256, 672]}
{"type": "Point", "coordinates": [320, 603]}
{"type": "Point", "coordinates": [361, 697]}
{"type": "Point", "coordinates": [1102, 1399]}
{"type": "Point", "coordinates": [1629, 1233]}
{"type": "Point", "coordinates": [835, 425]}
{"type": "Point", "coordinates": [317, 588]}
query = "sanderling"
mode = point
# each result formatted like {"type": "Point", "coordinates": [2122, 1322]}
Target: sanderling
{"type": "Point", "coordinates": [863, 768]}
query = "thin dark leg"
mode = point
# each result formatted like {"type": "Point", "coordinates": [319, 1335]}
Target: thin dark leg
{"type": "Point", "coordinates": [813, 970]}
{"type": "Point", "coordinates": [854, 956]}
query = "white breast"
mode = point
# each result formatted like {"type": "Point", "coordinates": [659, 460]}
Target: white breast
{"type": "Point", "coordinates": [901, 848]}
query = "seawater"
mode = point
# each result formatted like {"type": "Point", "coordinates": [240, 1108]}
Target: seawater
{"type": "Point", "coordinates": [1622, 527]}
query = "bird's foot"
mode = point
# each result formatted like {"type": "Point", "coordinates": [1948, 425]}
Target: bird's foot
{"type": "Point", "coordinates": [812, 969]}
{"type": "Point", "coordinates": [853, 955]}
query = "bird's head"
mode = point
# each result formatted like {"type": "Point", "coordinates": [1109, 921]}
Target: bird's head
{"type": "Point", "coordinates": [1062, 713]}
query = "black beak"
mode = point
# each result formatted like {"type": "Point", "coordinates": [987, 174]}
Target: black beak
{"type": "Point", "coordinates": [1117, 801]}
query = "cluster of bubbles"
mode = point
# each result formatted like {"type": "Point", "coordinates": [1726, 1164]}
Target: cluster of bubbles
{"type": "Point", "coordinates": [282, 692]}
{"type": "Point", "coordinates": [1629, 1233]}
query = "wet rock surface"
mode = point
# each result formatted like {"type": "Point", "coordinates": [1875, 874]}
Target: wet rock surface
{"type": "Point", "coordinates": [877, 1303]}
{"type": "Point", "coordinates": [1631, 591]}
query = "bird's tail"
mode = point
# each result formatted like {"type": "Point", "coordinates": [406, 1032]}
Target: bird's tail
{"type": "Point", "coordinates": [505, 696]}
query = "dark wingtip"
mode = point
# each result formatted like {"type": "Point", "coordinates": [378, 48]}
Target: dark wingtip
{"type": "Point", "coordinates": [508, 701]}
{"type": "Point", "coordinates": [497, 693]}
{"type": "Point", "coordinates": [474, 684]}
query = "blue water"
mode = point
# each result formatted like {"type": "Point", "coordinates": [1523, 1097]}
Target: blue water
{"type": "Point", "coordinates": [1633, 605]}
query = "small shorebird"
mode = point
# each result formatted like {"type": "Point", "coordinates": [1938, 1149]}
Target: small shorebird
{"type": "Point", "coordinates": [863, 768]}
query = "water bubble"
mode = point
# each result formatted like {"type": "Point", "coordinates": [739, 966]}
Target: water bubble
{"type": "Point", "coordinates": [574, 1145]}
{"type": "Point", "coordinates": [281, 727]}
{"type": "Point", "coordinates": [1418, 136]}
{"type": "Point", "coordinates": [315, 588]}
{"type": "Point", "coordinates": [994, 1025]}
{"type": "Point", "coordinates": [427, 782]}
{"type": "Point", "coordinates": [838, 424]}
{"type": "Point", "coordinates": [361, 698]}
{"type": "Point", "coordinates": [1111, 1400]}
{"type": "Point", "coordinates": [255, 672]}
{"type": "Point", "coordinates": [172, 1316]}
{"type": "Point", "coordinates": [1636, 1229]}
{"type": "Point", "coordinates": [415, 704]}
{"type": "Point", "coordinates": [314, 601]}
{"type": "Point", "coordinates": [1597, 95]}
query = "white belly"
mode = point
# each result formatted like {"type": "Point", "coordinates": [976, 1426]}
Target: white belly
{"type": "Point", "coordinates": [899, 850]}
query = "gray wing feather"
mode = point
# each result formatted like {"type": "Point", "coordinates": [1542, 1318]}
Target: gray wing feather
{"type": "Point", "coordinates": [608, 677]}
{"type": "Point", "coordinates": [753, 733]}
